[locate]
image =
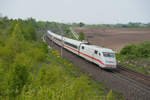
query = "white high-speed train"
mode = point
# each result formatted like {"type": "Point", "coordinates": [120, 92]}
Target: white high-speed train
{"type": "Point", "coordinates": [103, 57]}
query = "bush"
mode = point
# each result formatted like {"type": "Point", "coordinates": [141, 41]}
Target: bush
{"type": "Point", "coordinates": [81, 36]}
{"type": "Point", "coordinates": [136, 51]}
{"type": "Point", "coordinates": [37, 54]}
{"type": "Point", "coordinates": [48, 76]}
{"type": "Point", "coordinates": [17, 79]}
{"type": "Point", "coordinates": [144, 49]}
{"type": "Point", "coordinates": [30, 33]}
{"type": "Point", "coordinates": [128, 49]}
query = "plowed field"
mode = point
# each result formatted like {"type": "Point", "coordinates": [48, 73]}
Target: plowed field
{"type": "Point", "coordinates": [115, 38]}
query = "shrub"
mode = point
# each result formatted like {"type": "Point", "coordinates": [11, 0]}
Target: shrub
{"type": "Point", "coordinates": [128, 49]}
{"type": "Point", "coordinates": [37, 54]}
{"type": "Point", "coordinates": [17, 79]}
{"type": "Point", "coordinates": [136, 51]}
{"type": "Point", "coordinates": [29, 32]}
{"type": "Point", "coordinates": [81, 36]}
{"type": "Point", "coordinates": [144, 49]}
{"type": "Point", "coordinates": [48, 76]}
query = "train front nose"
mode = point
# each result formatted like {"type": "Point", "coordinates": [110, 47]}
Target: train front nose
{"type": "Point", "coordinates": [110, 63]}
{"type": "Point", "coordinates": [110, 66]}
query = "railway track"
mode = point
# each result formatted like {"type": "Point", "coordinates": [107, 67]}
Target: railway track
{"type": "Point", "coordinates": [137, 76]}
{"type": "Point", "coordinates": [133, 85]}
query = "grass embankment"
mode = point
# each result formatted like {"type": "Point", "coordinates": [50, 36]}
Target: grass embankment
{"type": "Point", "coordinates": [136, 57]}
{"type": "Point", "coordinates": [30, 71]}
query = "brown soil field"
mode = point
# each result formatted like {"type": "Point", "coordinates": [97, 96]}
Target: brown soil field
{"type": "Point", "coordinates": [114, 38]}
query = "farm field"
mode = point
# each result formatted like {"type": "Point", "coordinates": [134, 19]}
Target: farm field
{"type": "Point", "coordinates": [114, 38]}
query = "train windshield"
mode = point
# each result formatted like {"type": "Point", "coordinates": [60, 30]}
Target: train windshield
{"type": "Point", "coordinates": [108, 54]}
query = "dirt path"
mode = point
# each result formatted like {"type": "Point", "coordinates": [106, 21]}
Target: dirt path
{"type": "Point", "coordinates": [115, 38]}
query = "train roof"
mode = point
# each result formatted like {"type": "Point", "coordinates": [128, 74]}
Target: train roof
{"type": "Point", "coordinates": [53, 34]}
{"type": "Point", "coordinates": [99, 48]}
{"type": "Point", "coordinates": [75, 42]}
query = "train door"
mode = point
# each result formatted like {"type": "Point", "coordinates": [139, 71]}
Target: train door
{"type": "Point", "coordinates": [82, 50]}
{"type": "Point", "coordinates": [98, 57]}
{"type": "Point", "coordinates": [95, 56]}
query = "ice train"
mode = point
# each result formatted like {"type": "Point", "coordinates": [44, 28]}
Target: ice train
{"type": "Point", "coordinates": [103, 57]}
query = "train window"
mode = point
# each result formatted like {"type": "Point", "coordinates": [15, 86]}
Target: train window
{"type": "Point", "coordinates": [95, 52]}
{"type": "Point", "coordinates": [87, 43]}
{"type": "Point", "coordinates": [82, 47]}
{"type": "Point", "coordinates": [74, 46]}
{"type": "Point", "coordinates": [108, 54]}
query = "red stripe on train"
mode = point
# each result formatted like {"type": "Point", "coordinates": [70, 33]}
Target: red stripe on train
{"type": "Point", "coordinates": [86, 55]}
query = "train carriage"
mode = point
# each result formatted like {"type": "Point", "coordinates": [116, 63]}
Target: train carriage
{"type": "Point", "coordinates": [71, 45]}
{"type": "Point", "coordinates": [103, 57]}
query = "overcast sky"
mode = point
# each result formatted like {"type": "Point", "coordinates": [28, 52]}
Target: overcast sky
{"type": "Point", "coordinates": [87, 11]}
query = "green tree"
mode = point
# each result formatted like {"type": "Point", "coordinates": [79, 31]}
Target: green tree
{"type": "Point", "coordinates": [17, 32]}
{"type": "Point", "coordinates": [66, 29]}
{"type": "Point", "coordinates": [10, 28]}
{"type": "Point", "coordinates": [30, 33]}
{"type": "Point", "coordinates": [81, 36]}
{"type": "Point", "coordinates": [81, 24]}
{"type": "Point", "coordinates": [17, 79]}
{"type": "Point", "coordinates": [128, 49]}
{"type": "Point", "coordinates": [136, 51]}
{"type": "Point", "coordinates": [32, 22]}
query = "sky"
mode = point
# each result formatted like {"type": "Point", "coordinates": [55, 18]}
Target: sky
{"type": "Point", "coordinates": [87, 11]}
